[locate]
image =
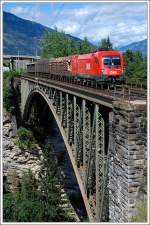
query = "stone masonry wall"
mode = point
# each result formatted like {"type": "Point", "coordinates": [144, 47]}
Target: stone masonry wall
{"type": "Point", "coordinates": [127, 158]}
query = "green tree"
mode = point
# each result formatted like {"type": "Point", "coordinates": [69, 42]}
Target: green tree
{"type": "Point", "coordinates": [8, 207]}
{"type": "Point", "coordinates": [22, 205]}
{"type": "Point", "coordinates": [85, 46]}
{"type": "Point", "coordinates": [25, 139]}
{"type": "Point", "coordinates": [37, 201]}
{"type": "Point", "coordinates": [50, 187]}
{"type": "Point", "coordinates": [75, 47]}
{"type": "Point", "coordinates": [56, 44]}
{"type": "Point", "coordinates": [26, 201]}
{"type": "Point", "coordinates": [105, 44]}
{"type": "Point", "coordinates": [135, 67]}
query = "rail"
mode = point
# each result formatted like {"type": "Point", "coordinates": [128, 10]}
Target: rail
{"type": "Point", "coordinates": [125, 92]}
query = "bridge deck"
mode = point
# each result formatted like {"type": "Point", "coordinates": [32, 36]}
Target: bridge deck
{"type": "Point", "coordinates": [104, 97]}
{"type": "Point", "coordinates": [97, 96]}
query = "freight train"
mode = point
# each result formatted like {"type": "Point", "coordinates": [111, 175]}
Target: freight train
{"type": "Point", "coordinates": [101, 67]}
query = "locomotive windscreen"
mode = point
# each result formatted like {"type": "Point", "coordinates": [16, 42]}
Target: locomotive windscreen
{"type": "Point", "coordinates": [111, 61]}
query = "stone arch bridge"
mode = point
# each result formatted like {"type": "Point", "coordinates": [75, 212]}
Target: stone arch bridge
{"type": "Point", "coordinates": [105, 140]}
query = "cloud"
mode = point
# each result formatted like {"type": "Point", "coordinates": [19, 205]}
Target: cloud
{"type": "Point", "coordinates": [69, 27]}
{"type": "Point", "coordinates": [19, 10]}
{"type": "Point", "coordinates": [123, 22]}
{"type": "Point", "coordinates": [32, 13]}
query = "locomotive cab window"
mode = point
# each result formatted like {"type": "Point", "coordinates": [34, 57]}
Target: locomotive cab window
{"type": "Point", "coordinates": [111, 61]}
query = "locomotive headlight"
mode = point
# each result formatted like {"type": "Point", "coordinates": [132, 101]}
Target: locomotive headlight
{"type": "Point", "coordinates": [113, 72]}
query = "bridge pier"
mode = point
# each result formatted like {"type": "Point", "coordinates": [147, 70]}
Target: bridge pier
{"type": "Point", "coordinates": [126, 159]}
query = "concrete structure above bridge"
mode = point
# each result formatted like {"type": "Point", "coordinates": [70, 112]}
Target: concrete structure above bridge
{"type": "Point", "coordinates": [18, 61]}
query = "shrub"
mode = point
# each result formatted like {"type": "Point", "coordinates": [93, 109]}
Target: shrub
{"type": "Point", "coordinates": [23, 205]}
{"type": "Point", "coordinates": [8, 205]}
{"type": "Point", "coordinates": [8, 94]}
{"type": "Point", "coordinates": [8, 100]}
{"type": "Point", "coordinates": [11, 74]}
{"type": "Point", "coordinates": [25, 139]}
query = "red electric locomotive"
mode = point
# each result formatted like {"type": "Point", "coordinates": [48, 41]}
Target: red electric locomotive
{"type": "Point", "coordinates": [104, 66]}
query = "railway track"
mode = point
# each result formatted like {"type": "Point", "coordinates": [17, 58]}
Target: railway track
{"type": "Point", "coordinates": [125, 92]}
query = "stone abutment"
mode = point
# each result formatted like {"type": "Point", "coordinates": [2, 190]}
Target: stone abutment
{"type": "Point", "coordinates": [127, 159]}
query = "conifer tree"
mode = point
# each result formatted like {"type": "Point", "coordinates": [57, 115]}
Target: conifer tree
{"type": "Point", "coordinates": [37, 201]}
{"type": "Point", "coordinates": [85, 46]}
{"type": "Point", "coordinates": [57, 44]}
{"type": "Point", "coordinates": [135, 67]}
{"type": "Point", "coordinates": [50, 200]}
{"type": "Point", "coordinates": [105, 44]}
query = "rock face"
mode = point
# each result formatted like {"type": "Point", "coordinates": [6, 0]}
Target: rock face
{"type": "Point", "coordinates": [13, 158]}
{"type": "Point", "coordinates": [16, 160]}
{"type": "Point", "coordinates": [127, 160]}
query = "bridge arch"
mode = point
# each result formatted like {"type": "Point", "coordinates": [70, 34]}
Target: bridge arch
{"type": "Point", "coordinates": [81, 126]}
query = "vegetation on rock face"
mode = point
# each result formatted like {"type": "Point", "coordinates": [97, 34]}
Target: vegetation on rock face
{"type": "Point", "coordinates": [8, 95]}
{"type": "Point", "coordinates": [11, 74]}
{"type": "Point", "coordinates": [8, 100]}
{"type": "Point", "coordinates": [36, 200]}
{"type": "Point", "coordinates": [25, 139]}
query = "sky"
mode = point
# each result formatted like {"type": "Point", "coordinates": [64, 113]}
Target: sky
{"type": "Point", "coordinates": [123, 22]}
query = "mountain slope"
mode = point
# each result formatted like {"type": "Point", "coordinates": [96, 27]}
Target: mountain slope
{"type": "Point", "coordinates": [23, 35]}
{"type": "Point", "coordinates": [136, 46]}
